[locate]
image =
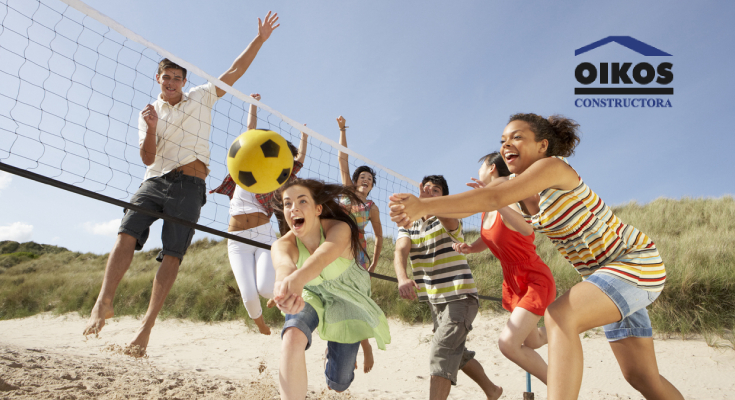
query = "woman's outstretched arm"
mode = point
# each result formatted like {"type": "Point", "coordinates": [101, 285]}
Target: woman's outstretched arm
{"type": "Point", "coordinates": [546, 173]}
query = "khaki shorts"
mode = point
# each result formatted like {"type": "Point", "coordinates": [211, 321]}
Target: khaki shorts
{"type": "Point", "coordinates": [452, 323]}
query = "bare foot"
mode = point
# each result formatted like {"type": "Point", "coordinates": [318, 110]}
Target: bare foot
{"type": "Point", "coordinates": [262, 327]}
{"type": "Point", "coordinates": [367, 353]}
{"type": "Point", "coordinates": [97, 319]}
{"type": "Point", "coordinates": [137, 348]}
{"type": "Point", "coordinates": [134, 351]}
{"type": "Point", "coordinates": [496, 393]}
{"type": "Point", "coordinates": [271, 303]}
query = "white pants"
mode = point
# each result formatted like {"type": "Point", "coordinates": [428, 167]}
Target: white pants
{"type": "Point", "coordinates": [253, 267]}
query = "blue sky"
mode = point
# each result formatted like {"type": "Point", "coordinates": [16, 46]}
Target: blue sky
{"type": "Point", "coordinates": [427, 88]}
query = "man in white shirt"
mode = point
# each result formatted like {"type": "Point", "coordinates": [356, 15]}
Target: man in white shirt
{"type": "Point", "coordinates": [174, 145]}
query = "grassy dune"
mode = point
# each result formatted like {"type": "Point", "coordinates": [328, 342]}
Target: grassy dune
{"type": "Point", "coordinates": [696, 238]}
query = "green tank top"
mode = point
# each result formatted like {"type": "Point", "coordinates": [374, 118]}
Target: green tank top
{"type": "Point", "coordinates": [341, 297]}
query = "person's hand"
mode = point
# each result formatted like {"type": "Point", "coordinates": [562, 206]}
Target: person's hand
{"type": "Point", "coordinates": [150, 116]}
{"type": "Point", "coordinates": [256, 96]}
{"type": "Point", "coordinates": [405, 208]}
{"type": "Point", "coordinates": [476, 183]}
{"type": "Point", "coordinates": [287, 295]}
{"type": "Point", "coordinates": [306, 135]}
{"type": "Point", "coordinates": [293, 305]}
{"type": "Point", "coordinates": [407, 289]}
{"type": "Point", "coordinates": [462, 248]}
{"type": "Point", "coordinates": [266, 28]}
{"type": "Point", "coordinates": [341, 122]}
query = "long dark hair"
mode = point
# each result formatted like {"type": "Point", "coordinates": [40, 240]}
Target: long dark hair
{"type": "Point", "coordinates": [327, 195]}
{"type": "Point", "coordinates": [561, 132]}
{"type": "Point", "coordinates": [496, 159]}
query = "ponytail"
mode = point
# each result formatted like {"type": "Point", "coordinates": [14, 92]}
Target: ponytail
{"type": "Point", "coordinates": [496, 159]}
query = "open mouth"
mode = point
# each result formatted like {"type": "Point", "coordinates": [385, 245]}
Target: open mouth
{"type": "Point", "coordinates": [298, 222]}
{"type": "Point", "coordinates": [509, 157]}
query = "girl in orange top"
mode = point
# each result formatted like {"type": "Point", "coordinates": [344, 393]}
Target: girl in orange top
{"type": "Point", "coordinates": [528, 286]}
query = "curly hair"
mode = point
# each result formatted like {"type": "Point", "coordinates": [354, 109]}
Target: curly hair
{"type": "Point", "coordinates": [561, 132]}
{"type": "Point", "coordinates": [327, 195]}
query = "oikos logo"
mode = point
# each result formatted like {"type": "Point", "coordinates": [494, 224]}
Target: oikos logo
{"type": "Point", "coordinates": [613, 77]}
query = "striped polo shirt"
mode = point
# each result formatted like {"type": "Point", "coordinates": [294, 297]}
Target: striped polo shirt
{"type": "Point", "coordinates": [587, 233]}
{"type": "Point", "coordinates": [442, 274]}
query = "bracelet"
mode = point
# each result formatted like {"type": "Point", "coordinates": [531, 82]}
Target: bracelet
{"type": "Point", "coordinates": [344, 128]}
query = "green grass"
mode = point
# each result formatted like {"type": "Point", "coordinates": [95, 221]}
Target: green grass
{"type": "Point", "coordinates": [696, 238]}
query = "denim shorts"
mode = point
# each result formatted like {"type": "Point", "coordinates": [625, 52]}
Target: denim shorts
{"type": "Point", "coordinates": [341, 357]}
{"type": "Point", "coordinates": [452, 323]}
{"type": "Point", "coordinates": [174, 194]}
{"type": "Point", "coordinates": [631, 302]}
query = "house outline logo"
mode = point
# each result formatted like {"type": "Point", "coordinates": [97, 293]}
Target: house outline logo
{"type": "Point", "coordinates": [625, 41]}
{"type": "Point", "coordinates": [623, 77]}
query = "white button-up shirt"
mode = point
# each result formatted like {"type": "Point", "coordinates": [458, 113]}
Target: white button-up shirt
{"type": "Point", "coordinates": [182, 131]}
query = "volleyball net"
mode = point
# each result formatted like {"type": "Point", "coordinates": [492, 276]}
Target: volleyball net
{"type": "Point", "coordinates": [72, 85]}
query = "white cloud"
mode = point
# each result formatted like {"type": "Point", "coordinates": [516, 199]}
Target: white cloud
{"type": "Point", "coordinates": [108, 228]}
{"type": "Point", "coordinates": [5, 179]}
{"type": "Point", "coordinates": [17, 231]}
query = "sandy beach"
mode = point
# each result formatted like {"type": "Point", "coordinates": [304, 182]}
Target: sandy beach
{"type": "Point", "coordinates": [46, 357]}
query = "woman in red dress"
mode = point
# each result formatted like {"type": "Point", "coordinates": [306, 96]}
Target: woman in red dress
{"type": "Point", "coordinates": [528, 286]}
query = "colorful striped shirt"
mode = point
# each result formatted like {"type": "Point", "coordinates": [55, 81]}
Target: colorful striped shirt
{"type": "Point", "coordinates": [587, 233]}
{"type": "Point", "coordinates": [442, 274]}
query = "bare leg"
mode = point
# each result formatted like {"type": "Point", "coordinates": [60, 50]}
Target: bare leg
{"type": "Point", "coordinates": [367, 353]}
{"type": "Point", "coordinates": [637, 360]}
{"type": "Point", "coordinates": [583, 307]}
{"type": "Point", "coordinates": [262, 327]}
{"type": "Point", "coordinates": [536, 338]}
{"type": "Point", "coordinates": [521, 328]}
{"type": "Point", "coordinates": [439, 388]}
{"type": "Point", "coordinates": [117, 264]}
{"type": "Point", "coordinates": [292, 372]}
{"type": "Point", "coordinates": [162, 284]}
{"type": "Point", "coordinates": [474, 370]}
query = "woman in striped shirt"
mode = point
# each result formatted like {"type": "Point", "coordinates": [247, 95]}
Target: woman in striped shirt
{"type": "Point", "coordinates": [622, 270]}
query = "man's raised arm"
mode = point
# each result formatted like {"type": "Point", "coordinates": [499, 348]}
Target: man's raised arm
{"type": "Point", "coordinates": [243, 61]}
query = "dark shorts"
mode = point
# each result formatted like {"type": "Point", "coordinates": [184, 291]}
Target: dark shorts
{"type": "Point", "coordinates": [452, 323]}
{"type": "Point", "coordinates": [341, 357]}
{"type": "Point", "coordinates": [173, 194]}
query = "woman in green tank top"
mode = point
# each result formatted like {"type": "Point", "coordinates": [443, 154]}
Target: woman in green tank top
{"type": "Point", "coordinates": [320, 286]}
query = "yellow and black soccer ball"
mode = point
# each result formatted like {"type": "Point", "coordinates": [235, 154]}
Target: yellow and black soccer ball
{"type": "Point", "coordinates": [260, 161]}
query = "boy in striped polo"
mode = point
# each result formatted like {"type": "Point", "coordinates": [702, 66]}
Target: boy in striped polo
{"type": "Point", "coordinates": [443, 278]}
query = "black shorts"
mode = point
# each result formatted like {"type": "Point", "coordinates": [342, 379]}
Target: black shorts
{"type": "Point", "coordinates": [173, 194]}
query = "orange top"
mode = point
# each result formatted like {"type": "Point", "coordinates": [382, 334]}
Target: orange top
{"type": "Point", "coordinates": [509, 246]}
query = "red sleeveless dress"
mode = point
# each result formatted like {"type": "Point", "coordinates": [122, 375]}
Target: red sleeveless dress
{"type": "Point", "coordinates": [527, 280]}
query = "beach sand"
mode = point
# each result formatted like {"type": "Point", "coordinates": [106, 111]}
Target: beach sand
{"type": "Point", "coordinates": [46, 357]}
